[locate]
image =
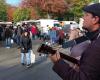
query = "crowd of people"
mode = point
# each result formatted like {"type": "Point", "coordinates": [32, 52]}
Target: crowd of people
{"type": "Point", "coordinates": [22, 35]}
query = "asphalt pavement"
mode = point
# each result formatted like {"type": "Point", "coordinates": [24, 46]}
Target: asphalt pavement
{"type": "Point", "coordinates": [11, 69]}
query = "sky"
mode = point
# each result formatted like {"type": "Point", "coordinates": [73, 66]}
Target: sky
{"type": "Point", "coordinates": [13, 2]}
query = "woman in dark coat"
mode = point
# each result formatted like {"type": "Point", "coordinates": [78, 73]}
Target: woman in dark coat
{"type": "Point", "coordinates": [26, 47]}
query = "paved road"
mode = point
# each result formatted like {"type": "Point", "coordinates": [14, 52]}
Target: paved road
{"type": "Point", "coordinates": [11, 69]}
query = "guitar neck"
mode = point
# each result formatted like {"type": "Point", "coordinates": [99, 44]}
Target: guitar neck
{"type": "Point", "coordinates": [69, 58]}
{"type": "Point", "coordinates": [64, 56]}
{"type": "Point", "coordinates": [49, 50]}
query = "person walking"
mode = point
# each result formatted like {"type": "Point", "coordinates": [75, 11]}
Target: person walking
{"type": "Point", "coordinates": [7, 36]}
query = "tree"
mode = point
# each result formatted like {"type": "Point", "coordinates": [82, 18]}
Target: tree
{"type": "Point", "coordinates": [57, 8]}
{"type": "Point", "coordinates": [10, 12]}
{"type": "Point", "coordinates": [3, 8]}
{"type": "Point", "coordinates": [95, 1]}
{"type": "Point", "coordinates": [49, 7]}
{"type": "Point", "coordinates": [31, 4]}
{"type": "Point", "coordinates": [21, 14]}
{"type": "Point", "coordinates": [76, 8]}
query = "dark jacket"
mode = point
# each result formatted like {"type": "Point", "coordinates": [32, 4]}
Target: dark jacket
{"type": "Point", "coordinates": [25, 44]}
{"type": "Point", "coordinates": [89, 64]}
{"type": "Point", "coordinates": [8, 33]}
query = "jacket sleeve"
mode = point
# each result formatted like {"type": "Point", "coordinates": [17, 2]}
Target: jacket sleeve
{"type": "Point", "coordinates": [68, 73]}
{"type": "Point", "coordinates": [73, 42]}
{"type": "Point", "coordinates": [21, 43]}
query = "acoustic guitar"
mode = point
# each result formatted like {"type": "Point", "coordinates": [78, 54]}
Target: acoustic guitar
{"type": "Point", "coordinates": [45, 49]}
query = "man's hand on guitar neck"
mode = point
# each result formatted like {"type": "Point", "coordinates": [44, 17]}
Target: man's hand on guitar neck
{"type": "Point", "coordinates": [55, 57]}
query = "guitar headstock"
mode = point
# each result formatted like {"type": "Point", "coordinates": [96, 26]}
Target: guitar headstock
{"type": "Point", "coordinates": [46, 49]}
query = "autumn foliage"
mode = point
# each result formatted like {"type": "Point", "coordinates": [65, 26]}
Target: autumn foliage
{"type": "Point", "coordinates": [53, 6]}
{"type": "Point", "coordinates": [56, 9]}
{"type": "Point", "coordinates": [48, 6]}
{"type": "Point", "coordinates": [10, 11]}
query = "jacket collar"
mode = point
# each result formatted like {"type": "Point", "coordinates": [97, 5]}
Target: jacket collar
{"type": "Point", "coordinates": [93, 35]}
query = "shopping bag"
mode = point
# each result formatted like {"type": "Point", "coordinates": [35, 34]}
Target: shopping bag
{"type": "Point", "coordinates": [12, 41]}
{"type": "Point", "coordinates": [32, 57]}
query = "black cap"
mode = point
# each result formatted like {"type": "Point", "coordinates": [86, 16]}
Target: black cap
{"type": "Point", "coordinates": [93, 8]}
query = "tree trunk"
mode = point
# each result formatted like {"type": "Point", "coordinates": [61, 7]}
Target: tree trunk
{"type": "Point", "coordinates": [48, 15]}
